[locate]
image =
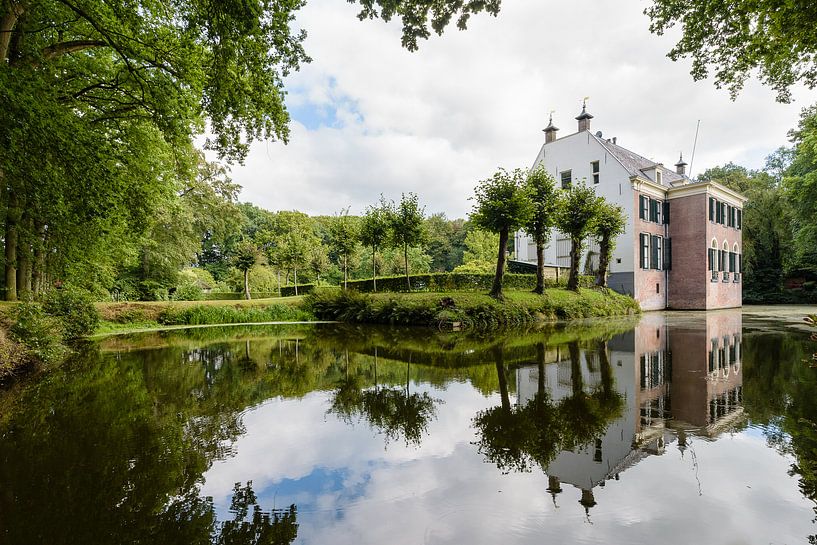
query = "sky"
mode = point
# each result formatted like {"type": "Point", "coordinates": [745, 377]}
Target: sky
{"type": "Point", "coordinates": [369, 117]}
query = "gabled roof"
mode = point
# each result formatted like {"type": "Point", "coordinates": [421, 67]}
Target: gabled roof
{"type": "Point", "coordinates": [636, 164]}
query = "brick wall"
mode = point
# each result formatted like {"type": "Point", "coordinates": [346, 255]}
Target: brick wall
{"type": "Point", "coordinates": [650, 285]}
{"type": "Point", "coordinates": [688, 230]}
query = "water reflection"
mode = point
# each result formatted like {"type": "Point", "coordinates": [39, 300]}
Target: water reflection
{"type": "Point", "coordinates": [671, 385]}
{"type": "Point", "coordinates": [264, 435]}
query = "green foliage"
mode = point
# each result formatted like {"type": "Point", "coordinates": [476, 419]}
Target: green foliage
{"type": "Point", "coordinates": [475, 267]}
{"type": "Point", "coordinates": [480, 246]}
{"type": "Point", "coordinates": [733, 38]}
{"type": "Point", "coordinates": [611, 222]}
{"type": "Point", "coordinates": [541, 188]}
{"type": "Point", "coordinates": [578, 212]}
{"type": "Point", "coordinates": [217, 314]}
{"type": "Point", "coordinates": [800, 182]}
{"type": "Point", "coordinates": [445, 241]}
{"type": "Point", "coordinates": [188, 292]}
{"type": "Point", "coordinates": [502, 202]}
{"type": "Point", "coordinates": [344, 232]}
{"type": "Point", "coordinates": [407, 226]}
{"type": "Point", "coordinates": [74, 308]}
{"type": "Point", "coordinates": [38, 332]}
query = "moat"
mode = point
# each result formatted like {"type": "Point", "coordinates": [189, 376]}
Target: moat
{"type": "Point", "coordinates": [638, 430]}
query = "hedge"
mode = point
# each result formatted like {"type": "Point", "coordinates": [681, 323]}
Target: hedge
{"type": "Point", "coordinates": [444, 282]}
{"type": "Point", "coordinates": [233, 296]}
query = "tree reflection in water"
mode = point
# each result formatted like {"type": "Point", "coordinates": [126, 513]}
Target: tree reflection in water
{"type": "Point", "coordinates": [517, 438]}
{"type": "Point", "coordinates": [394, 412]}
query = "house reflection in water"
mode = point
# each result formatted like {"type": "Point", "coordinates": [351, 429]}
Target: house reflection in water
{"type": "Point", "coordinates": [677, 379]}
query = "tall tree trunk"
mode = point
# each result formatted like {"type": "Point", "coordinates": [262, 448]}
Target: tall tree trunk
{"type": "Point", "coordinates": [345, 271]}
{"type": "Point", "coordinates": [496, 289]}
{"type": "Point", "coordinates": [38, 276]}
{"type": "Point", "coordinates": [279, 282]}
{"type": "Point", "coordinates": [405, 258]}
{"type": "Point", "coordinates": [247, 284]}
{"type": "Point", "coordinates": [604, 263]}
{"type": "Point", "coordinates": [540, 383]}
{"type": "Point", "coordinates": [296, 280]}
{"type": "Point", "coordinates": [12, 233]}
{"type": "Point", "coordinates": [24, 256]}
{"type": "Point", "coordinates": [7, 23]}
{"type": "Point", "coordinates": [374, 267]}
{"type": "Point", "coordinates": [606, 370]}
{"type": "Point", "coordinates": [575, 256]}
{"type": "Point", "coordinates": [540, 269]}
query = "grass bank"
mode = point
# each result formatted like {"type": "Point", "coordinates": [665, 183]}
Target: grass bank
{"type": "Point", "coordinates": [139, 316]}
{"type": "Point", "coordinates": [471, 310]}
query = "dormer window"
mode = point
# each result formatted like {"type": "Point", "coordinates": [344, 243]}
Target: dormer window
{"type": "Point", "coordinates": [658, 177]}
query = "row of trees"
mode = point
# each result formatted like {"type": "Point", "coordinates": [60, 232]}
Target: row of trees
{"type": "Point", "coordinates": [530, 201]}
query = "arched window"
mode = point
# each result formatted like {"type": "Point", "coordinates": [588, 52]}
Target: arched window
{"type": "Point", "coordinates": [736, 260]}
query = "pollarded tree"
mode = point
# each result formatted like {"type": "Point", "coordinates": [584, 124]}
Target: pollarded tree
{"type": "Point", "coordinates": [318, 261]}
{"type": "Point", "coordinates": [375, 229]}
{"type": "Point", "coordinates": [245, 256]}
{"type": "Point", "coordinates": [543, 193]}
{"type": "Point", "coordinates": [577, 216]}
{"type": "Point", "coordinates": [610, 223]}
{"type": "Point", "coordinates": [343, 236]}
{"type": "Point", "coordinates": [408, 227]}
{"type": "Point", "coordinates": [503, 204]}
{"type": "Point", "coordinates": [296, 243]}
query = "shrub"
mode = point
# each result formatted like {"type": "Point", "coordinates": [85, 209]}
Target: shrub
{"type": "Point", "coordinates": [74, 308]}
{"type": "Point", "coordinates": [37, 331]}
{"type": "Point", "coordinates": [188, 292]}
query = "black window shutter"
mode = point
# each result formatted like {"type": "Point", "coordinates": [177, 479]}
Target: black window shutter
{"type": "Point", "coordinates": [667, 254]}
{"type": "Point", "coordinates": [711, 260]}
{"type": "Point", "coordinates": [711, 209]}
{"type": "Point", "coordinates": [654, 252]}
{"type": "Point", "coordinates": [641, 249]}
{"type": "Point", "coordinates": [740, 218]}
{"type": "Point", "coordinates": [653, 211]}
{"type": "Point", "coordinates": [666, 212]}
{"type": "Point", "coordinates": [642, 206]}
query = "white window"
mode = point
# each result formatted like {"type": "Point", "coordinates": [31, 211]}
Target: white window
{"type": "Point", "coordinates": [595, 166]}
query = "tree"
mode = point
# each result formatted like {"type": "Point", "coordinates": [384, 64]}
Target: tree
{"type": "Point", "coordinates": [542, 189]}
{"type": "Point", "coordinates": [318, 261]}
{"type": "Point", "coordinates": [610, 223]}
{"type": "Point", "coordinates": [343, 235]}
{"type": "Point", "coordinates": [733, 38]}
{"type": "Point", "coordinates": [296, 241]}
{"type": "Point", "coordinates": [502, 205]}
{"type": "Point", "coordinates": [407, 228]}
{"type": "Point", "coordinates": [375, 230]}
{"type": "Point", "coordinates": [97, 97]}
{"type": "Point", "coordinates": [800, 183]}
{"type": "Point", "coordinates": [245, 256]}
{"type": "Point", "coordinates": [577, 215]}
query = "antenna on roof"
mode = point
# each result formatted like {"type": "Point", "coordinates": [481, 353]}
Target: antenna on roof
{"type": "Point", "coordinates": [694, 143]}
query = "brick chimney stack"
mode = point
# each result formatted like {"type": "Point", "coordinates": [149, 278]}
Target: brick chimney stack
{"type": "Point", "coordinates": [584, 118]}
{"type": "Point", "coordinates": [681, 166]}
{"type": "Point", "coordinates": [550, 131]}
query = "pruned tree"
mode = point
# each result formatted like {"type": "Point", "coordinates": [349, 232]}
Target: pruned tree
{"type": "Point", "coordinates": [503, 204]}
{"type": "Point", "coordinates": [343, 236]}
{"type": "Point", "coordinates": [375, 230]}
{"type": "Point", "coordinates": [576, 218]}
{"type": "Point", "coordinates": [542, 189]}
{"type": "Point", "coordinates": [245, 256]}
{"type": "Point", "coordinates": [408, 227]}
{"type": "Point", "coordinates": [611, 222]}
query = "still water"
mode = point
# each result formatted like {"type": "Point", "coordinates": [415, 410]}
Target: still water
{"type": "Point", "coordinates": [675, 428]}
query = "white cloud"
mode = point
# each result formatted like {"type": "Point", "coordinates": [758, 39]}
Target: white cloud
{"type": "Point", "coordinates": [436, 121]}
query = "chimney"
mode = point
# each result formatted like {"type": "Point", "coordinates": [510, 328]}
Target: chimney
{"type": "Point", "coordinates": [584, 118]}
{"type": "Point", "coordinates": [681, 166]}
{"type": "Point", "coordinates": [550, 131]}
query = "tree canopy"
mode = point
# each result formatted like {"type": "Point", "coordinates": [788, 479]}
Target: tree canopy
{"type": "Point", "coordinates": [733, 38]}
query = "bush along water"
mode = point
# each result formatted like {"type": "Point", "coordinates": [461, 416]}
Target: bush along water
{"type": "Point", "coordinates": [210, 314]}
{"type": "Point", "coordinates": [45, 330]}
{"type": "Point", "coordinates": [468, 309]}
{"type": "Point", "coordinates": [445, 282]}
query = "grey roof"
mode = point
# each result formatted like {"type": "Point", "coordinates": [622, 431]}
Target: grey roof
{"type": "Point", "coordinates": [636, 164]}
